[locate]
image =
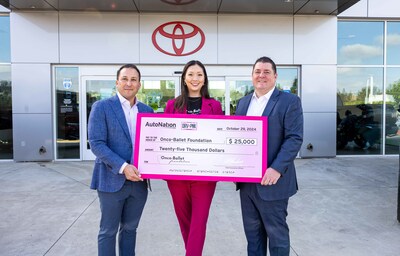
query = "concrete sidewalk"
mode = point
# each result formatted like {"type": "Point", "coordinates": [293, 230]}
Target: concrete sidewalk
{"type": "Point", "coordinates": [346, 206]}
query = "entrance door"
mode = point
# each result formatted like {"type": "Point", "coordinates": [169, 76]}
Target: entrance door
{"type": "Point", "coordinates": [94, 88]}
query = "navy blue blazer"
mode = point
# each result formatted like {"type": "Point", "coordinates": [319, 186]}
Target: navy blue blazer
{"type": "Point", "coordinates": [285, 136]}
{"type": "Point", "coordinates": [110, 142]}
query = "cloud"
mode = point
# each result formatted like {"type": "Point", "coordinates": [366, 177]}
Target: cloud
{"type": "Point", "coordinates": [393, 39]}
{"type": "Point", "coordinates": [361, 51]}
{"type": "Point", "coordinates": [355, 53]}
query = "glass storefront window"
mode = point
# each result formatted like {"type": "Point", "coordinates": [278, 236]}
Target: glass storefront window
{"type": "Point", "coordinates": [217, 91]}
{"type": "Point", "coordinates": [237, 90]}
{"type": "Point", "coordinates": [6, 132]}
{"type": "Point", "coordinates": [6, 135]}
{"type": "Point", "coordinates": [5, 50]}
{"type": "Point", "coordinates": [156, 93]}
{"type": "Point", "coordinates": [67, 113]}
{"type": "Point", "coordinates": [393, 43]}
{"type": "Point", "coordinates": [392, 128]}
{"type": "Point", "coordinates": [360, 43]}
{"type": "Point", "coordinates": [359, 110]}
{"type": "Point", "coordinates": [288, 80]}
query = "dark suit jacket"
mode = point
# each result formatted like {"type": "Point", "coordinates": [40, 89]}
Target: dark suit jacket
{"type": "Point", "coordinates": [110, 142]}
{"type": "Point", "coordinates": [285, 136]}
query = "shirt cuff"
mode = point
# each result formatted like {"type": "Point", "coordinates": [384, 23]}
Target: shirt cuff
{"type": "Point", "coordinates": [121, 170]}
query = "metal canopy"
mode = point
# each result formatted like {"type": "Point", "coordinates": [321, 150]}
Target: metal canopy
{"type": "Point", "coordinates": [291, 7]}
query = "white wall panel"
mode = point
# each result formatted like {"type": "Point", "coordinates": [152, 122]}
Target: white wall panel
{"type": "Point", "coordinates": [384, 8]}
{"type": "Point", "coordinates": [315, 39]}
{"type": "Point", "coordinates": [320, 133]}
{"type": "Point", "coordinates": [318, 88]}
{"type": "Point", "coordinates": [92, 37]}
{"type": "Point", "coordinates": [244, 38]}
{"type": "Point", "coordinates": [360, 9]}
{"type": "Point", "coordinates": [30, 133]}
{"type": "Point", "coordinates": [149, 54]}
{"type": "Point", "coordinates": [34, 37]}
{"type": "Point", "coordinates": [31, 88]}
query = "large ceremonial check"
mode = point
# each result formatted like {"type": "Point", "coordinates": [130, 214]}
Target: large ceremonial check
{"type": "Point", "coordinates": [201, 147]}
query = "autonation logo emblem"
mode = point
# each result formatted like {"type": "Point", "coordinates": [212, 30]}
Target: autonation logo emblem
{"type": "Point", "coordinates": [178, 38]}
{"type": "Point", "coordinates": [161, 124]}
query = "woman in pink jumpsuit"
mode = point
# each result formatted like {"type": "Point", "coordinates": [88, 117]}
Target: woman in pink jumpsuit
{"type": "Point", "coordinates": [192, 199]}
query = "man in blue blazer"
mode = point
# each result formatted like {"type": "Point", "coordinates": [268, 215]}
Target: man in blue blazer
{"type": "Point", "coordinates": [264, 205]}
{"type": "Point", "coordinates": [122, 192]}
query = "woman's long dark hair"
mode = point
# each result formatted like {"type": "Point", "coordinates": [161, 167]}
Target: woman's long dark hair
{"type": "Point", "coordinates": [181, 100]}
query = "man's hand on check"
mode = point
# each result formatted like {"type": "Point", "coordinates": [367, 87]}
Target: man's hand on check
{"type": "Point", "coordinates": [131, 173]}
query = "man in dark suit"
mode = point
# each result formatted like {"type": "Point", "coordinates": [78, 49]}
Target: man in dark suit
{"type": "Point", "coordinates": [122, 192]}
{"type": "Point", "coordinates": [264, 206]}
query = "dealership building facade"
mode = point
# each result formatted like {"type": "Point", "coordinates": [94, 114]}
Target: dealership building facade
{"type": "Point", "coordinates": [58, 57]}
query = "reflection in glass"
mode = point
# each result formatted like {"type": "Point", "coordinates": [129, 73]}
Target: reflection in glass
{"type": "Point", "coordinates": [156, 93]}
{"type": "Point", "coordinates": [217, 91]}
{"type": "Point", "coordinates": [359, 110]}
{"type": "Point", "coordinates": [392, 127]}
{"type": "Point", "coordinates": [393, 43]}
{"type": "Point", "coordinates": [360, 43]}
{"type": "Point", "coordinates": [67, 113]}
{"type": "Point", "coordinates": [6, 135]}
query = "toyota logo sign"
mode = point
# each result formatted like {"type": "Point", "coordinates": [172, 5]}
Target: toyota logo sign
{"type": "Point", "coordinates": [178, 38]}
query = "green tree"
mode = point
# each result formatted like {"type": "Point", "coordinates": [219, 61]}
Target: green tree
{"type": "Point", "coordinates": [293, 89]}
{"type": "Point", "coordinates": [346, 97]}
{"type": "Point", "coordinates": [363, 93]}
{"type": "Point", "coordinates": [394, 90]}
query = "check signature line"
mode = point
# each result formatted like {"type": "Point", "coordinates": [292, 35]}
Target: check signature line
{"type": "Point", "coordinates": [207, 153]}
{"type": "Point", "coordinates": [235, 166]}
{"type": "Point", "coordinates": [175, 163]}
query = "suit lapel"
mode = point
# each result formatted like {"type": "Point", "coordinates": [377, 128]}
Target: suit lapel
{"type": "Point", "coordinates": [271, 103]}
{"type": "Point", "coordinates": [119, 113]}
{"type": "Point", "coordinates": [141, 107]}
{"type": "Point", "coordinates": [245, 106]}
{"type": "Point", "coordinates": [206, 107]}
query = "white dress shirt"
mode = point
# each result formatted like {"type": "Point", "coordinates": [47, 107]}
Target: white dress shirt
{"type": "Point", "coordinates": [130, 117]}
{"type": "Point", "coordinates": [258, 104]}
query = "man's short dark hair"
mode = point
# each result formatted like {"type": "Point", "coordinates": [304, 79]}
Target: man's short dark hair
{"type": "Point", "coordinates": [128, 66]}
{"type": "Point", "coordinates": [265, 60]}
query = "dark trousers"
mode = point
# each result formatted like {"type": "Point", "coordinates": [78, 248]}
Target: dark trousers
{"type": "Point", "coordinates": [264, 222]}
{"type": "Point", "coordinates": [121, 210]}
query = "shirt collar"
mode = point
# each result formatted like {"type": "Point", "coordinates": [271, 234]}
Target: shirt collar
{"type": "Point", "coordinates": [125, 101]}
{"type": "Point", "coordinates": [263, 97]}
